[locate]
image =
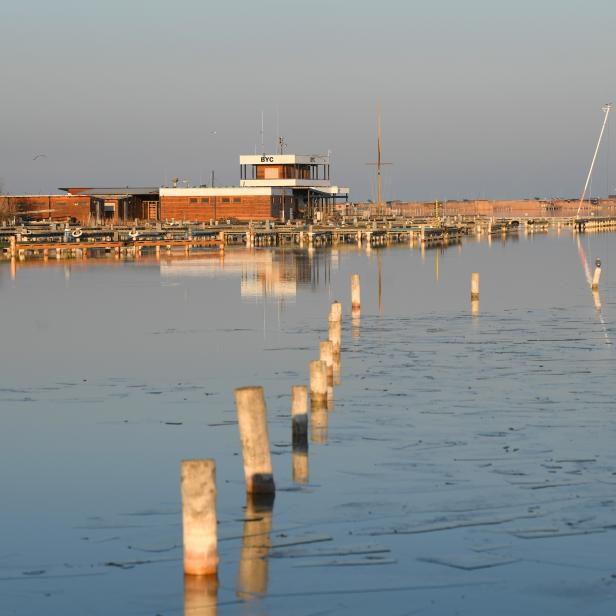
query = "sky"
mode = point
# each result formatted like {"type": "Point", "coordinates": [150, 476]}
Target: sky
{"type": "Point", "coordinates": [479, 98]}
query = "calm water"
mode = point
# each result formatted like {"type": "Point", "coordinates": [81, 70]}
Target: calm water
{"type": "Point", "coordinates": [454, 442]}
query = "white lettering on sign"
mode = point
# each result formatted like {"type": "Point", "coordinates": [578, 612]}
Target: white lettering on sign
{"type": "Point", "coordinates": [267, 159]}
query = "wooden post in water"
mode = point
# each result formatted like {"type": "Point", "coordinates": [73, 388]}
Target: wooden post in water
{"type": "Point", "coordinates": [335, 328]}
{"type": "Point", "coordinates": [327, 355]}
{"type": "Point", "coordinates": [335, 312]}
{"type": "Point", "coordinates": [334, 336]}
{"type": "Point", "coordinates": [475, 286]}
{"type": "Point", "coordinates": [12, 246]}
{"type": "Point", "coordinates": [299, 413]}
{"type": "Point", "coordinates": [597, 275]}
{"type": "Point", "coordinates": [299, 418]}
{"type": "Point", "coordinates": [252, 419]}
{"type": "Point", "coordinates": [318, 382]}
{"type": "Point", "coordinates": [355, 296]}
{"type": "Point", "coordinates": [198, 485]}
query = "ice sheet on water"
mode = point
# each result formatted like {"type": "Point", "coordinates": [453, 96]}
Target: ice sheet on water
{"type": "Point", "coordinates": [469, 561]}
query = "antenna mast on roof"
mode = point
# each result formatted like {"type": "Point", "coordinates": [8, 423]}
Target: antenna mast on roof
{"type": "Point", "coordinates": [262, 142]}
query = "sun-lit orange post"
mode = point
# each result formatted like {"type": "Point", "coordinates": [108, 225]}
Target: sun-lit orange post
{"type": "Point", "coordinates": [252, 419]}
{"type": "Point", "coordinates": [198, 486]}
{"type": "Point", "coordinates": [355, 296]}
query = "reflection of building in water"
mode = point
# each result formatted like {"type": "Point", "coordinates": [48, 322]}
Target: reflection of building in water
{"type": "Point", "coordinates": [262, 273]}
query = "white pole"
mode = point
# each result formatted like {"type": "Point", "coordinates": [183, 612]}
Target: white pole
{"type": "Point", "coordinates": [606, 110]}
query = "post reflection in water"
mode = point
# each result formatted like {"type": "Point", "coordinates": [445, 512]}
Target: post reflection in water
{"type": "Point", "coordinates": [355, 331]}
{"type": "Point", "coordinates": [319, 423]}
{"type": "Point", "coordinates": [252, 575]}
{"type": "Point", "coordinates": [475, 307]}
{"type": "Point", "coordinates": [200, 595]}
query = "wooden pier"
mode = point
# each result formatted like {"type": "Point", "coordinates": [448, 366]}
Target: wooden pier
{"type": "Point", "coordinates": [59, 240]}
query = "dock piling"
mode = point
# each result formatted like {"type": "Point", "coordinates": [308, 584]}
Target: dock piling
{"type": "Point", "coordinates": [252, 419]}
{"type": "Point", "coordinates": [355, 295]}
{"type": "Point", "coordinates": [597, 275]}
{"type": "Point", "coordinates": [318, 383]}
{"type": "Point", "coordinates": [299, 413]}
{"type": "Point", "coordinates": [299, 418]}
{"type": "Point", "coordinates": [198, 486]}
{"type": "Point", "coordinates": [475, 286]}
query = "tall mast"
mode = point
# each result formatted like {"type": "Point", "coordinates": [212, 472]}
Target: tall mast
{"type": "Point", "coordinates": [606, 110]}
{"type": "Point", "coordinates": [378, 164]}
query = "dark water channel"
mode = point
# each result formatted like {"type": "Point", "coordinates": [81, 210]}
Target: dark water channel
{"type": "Point", "coordinates": [468, 465]}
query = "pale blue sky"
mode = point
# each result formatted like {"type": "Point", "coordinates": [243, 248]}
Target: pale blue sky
{"type": "Point", "coordinates": [479, 98]}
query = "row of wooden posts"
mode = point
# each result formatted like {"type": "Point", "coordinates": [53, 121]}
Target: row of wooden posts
{"type": "Point", "coordinates": [198, 477]}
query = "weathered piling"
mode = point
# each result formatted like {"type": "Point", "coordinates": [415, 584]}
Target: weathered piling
{"type": "Point", "coordinates": [355, 296]}
{"type": "Point", "coordinates": [318, 382]}
{"type": "Point", "coordinates": [597, 275]}
{"type": "Point", "coordinates": [327, 355]}
{"type": "Point", "coordinates": [475, 286]}
{"type": "Point", "coordinates": [299, 414]}
{"type": "Point", "coordinates": [299, 418]}
{"type": "Point", "coordinates": [335, 312]}
{"type": "Point", "coordinates": [198, 486]}
{"type": "Point", "coordinates": [334, 335]}
{"type": "Point", "coordinates": [252, 419]}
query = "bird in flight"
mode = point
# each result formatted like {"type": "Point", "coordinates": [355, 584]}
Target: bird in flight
{"type": "Point", "coordinates": [39, 156]}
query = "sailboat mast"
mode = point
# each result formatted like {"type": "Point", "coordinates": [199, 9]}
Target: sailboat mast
{"type": "Point", "coordinates": [378, 164]}
{"type": "Point", "coordinates": [606, 109]}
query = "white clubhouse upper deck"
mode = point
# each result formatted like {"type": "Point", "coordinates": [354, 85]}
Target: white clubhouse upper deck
{"type": "Point", "coordinates": [284, 159]}
{"type": "Point", "coordinates": [302, 172]}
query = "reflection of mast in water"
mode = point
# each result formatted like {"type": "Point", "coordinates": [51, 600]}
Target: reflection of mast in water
{"type": "Point", "coordinates": [436, 273]}
{"type": "Point", "coordinates": [380, 269]}
{"type": "Point", "coordinates": [595, 292]}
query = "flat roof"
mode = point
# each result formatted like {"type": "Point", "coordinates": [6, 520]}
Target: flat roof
{"type": "Point", "coordinates": [114, 190]}
{"type": "Point", "coordinates": [223, 191]}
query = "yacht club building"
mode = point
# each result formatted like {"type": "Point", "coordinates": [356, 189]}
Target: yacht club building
{"type": "Point", "coordinates": [272, 187]}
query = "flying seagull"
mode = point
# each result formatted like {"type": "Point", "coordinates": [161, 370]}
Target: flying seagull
{"type": "Point", "coordinates": [39, 156]}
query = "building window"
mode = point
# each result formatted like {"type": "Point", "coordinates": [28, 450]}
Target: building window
{"type": "Point", "coordinates": [193, 200]}
{"type": "Point", "coordinates": [225, 199]}
{"type": "Point", "coordinates": [237, 199]}
{"type": "Point", "coordinates": [205, 200]}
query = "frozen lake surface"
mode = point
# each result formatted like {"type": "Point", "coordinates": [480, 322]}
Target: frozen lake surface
{"type": "Point", "coordinates": [468, 465]}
